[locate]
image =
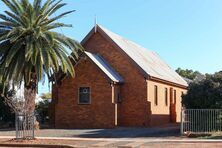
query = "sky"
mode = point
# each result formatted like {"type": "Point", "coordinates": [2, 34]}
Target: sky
{"type": "Point", "coordinates": [185, 33]}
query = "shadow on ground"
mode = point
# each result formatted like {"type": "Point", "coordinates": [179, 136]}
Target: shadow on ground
{"type": "Point", "coordinates": [7, 129]}
{"type": "Point", "coordinates": [131, 133]}
{"type": "Point", "coordinates": [213, 137]}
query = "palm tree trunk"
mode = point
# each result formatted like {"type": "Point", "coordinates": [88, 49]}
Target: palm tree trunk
{"type": "Point", "coordinates": [30, 91]}
{"type": "Point", "coordinates": [29, 109]}
{"type": "Point", "coordinates": [29, 96]}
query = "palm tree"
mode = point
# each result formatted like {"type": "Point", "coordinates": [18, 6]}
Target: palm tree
{"type": "Point", "coordinates": [30, 48]}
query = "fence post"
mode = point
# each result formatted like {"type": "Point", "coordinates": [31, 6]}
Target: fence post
{"type": "Point", "coordinates": [16, 126]}
{"type": "Point", "coordinates": [33, 126]}
{"type": "Point", "coordinates": [181, 122]}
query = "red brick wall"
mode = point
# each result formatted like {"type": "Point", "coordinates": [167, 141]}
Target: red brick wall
{"type": "Point", "coordinates": [164, 113]}
{"type": "Point", "coordinates": [134, 109]}
{"type": "Point", "coordinates": [99, 114]}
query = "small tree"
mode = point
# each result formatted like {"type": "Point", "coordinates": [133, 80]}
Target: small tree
{"type": "Point", "coordinates": [42, 107]}
{"type": "Point", "coordinates": [187, 73]}
{"type": "Point", "coordinates": [205, 94]}
{"type": "Point", "coordinates": [6, 113]}
{"type": "Point", "coordinates": [46, 96]}
{"type": "Point", "coordinates": [20, 105]}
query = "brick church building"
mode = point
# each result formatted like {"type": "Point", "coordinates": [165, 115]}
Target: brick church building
{"type": "Point", "coordinates": [117, 83]}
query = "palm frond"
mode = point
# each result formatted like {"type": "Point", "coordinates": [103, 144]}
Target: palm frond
{"type": "Point", "coordinates": [29, 45]}
{"type": "Point", "coordinates": [11, 6]}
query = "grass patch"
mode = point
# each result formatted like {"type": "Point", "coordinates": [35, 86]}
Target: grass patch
{"type": "Point", "coordinates": [212, 135]}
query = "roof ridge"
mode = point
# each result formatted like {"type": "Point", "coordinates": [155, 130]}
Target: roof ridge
{"type": "Point", "coordinates": [128, 40]}
{"type": "Point", "coordinates": [132, 42]}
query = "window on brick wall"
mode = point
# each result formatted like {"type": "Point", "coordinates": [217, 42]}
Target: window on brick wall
{"type": "Point", "coordinates": [84, 95]}
{"type": "Point", "coordinates": [166, 96]}
{"type": "Point", "coordinates": [156, 95]}
{"type": "Point", "coordinates": [175, 96]}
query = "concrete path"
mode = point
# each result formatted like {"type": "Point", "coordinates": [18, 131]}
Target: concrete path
{"type": "Point", "coordinates": [121, 142]}
{"type": "Point", "coordinates": [167, 137]}
{"type": "Point", "coordinates": [182, 139]}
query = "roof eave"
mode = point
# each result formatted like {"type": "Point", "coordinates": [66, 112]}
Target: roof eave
{"type": "Point", "coordinates": [168, 82]}
{"type": "Point", "coordinates": [115, 82]}
{"type": "Point", "coordinates": [86, 38]}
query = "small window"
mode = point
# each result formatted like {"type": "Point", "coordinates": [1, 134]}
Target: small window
{"type": "Point", "coordinates": [84, 95]}
{"type": "Point", "coordinates": [175, 96]}
{"type": "Point", "coordinates": [156, 95]}
{"type": "Point", "coordinates": [166, 96]}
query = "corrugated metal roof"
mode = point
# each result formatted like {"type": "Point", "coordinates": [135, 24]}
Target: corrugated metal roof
{"type": "Point", "coordinates": [105, 67]}
{"type": "Point", "coordinates": [148, 60]}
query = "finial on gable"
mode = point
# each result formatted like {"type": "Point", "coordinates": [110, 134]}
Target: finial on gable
{"type": "Point", "coordinates": [95, 21]}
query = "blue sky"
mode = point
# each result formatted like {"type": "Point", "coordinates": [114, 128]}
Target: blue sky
{"type": "Point", "coordinates": [185, 33]}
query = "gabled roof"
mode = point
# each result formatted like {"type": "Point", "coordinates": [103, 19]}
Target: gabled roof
{"type": "Point", "coordinates": [105, 67]}
{"type": "Point", "coordinates": [150, 62]}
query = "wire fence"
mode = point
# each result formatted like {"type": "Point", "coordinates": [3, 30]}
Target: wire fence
{"type": "Point", "coordinates": [25, 126]}
{"type": "Point", "coordinates": [201, 120]}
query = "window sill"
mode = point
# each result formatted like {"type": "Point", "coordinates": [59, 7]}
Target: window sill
{"type": "Point", "coordinates": [84, 103]}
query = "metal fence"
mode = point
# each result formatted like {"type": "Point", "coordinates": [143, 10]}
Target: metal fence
{"type": "Point", "coordinates": [24, 126]}
{"type": "Point", "coordinates": [201, 120]}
